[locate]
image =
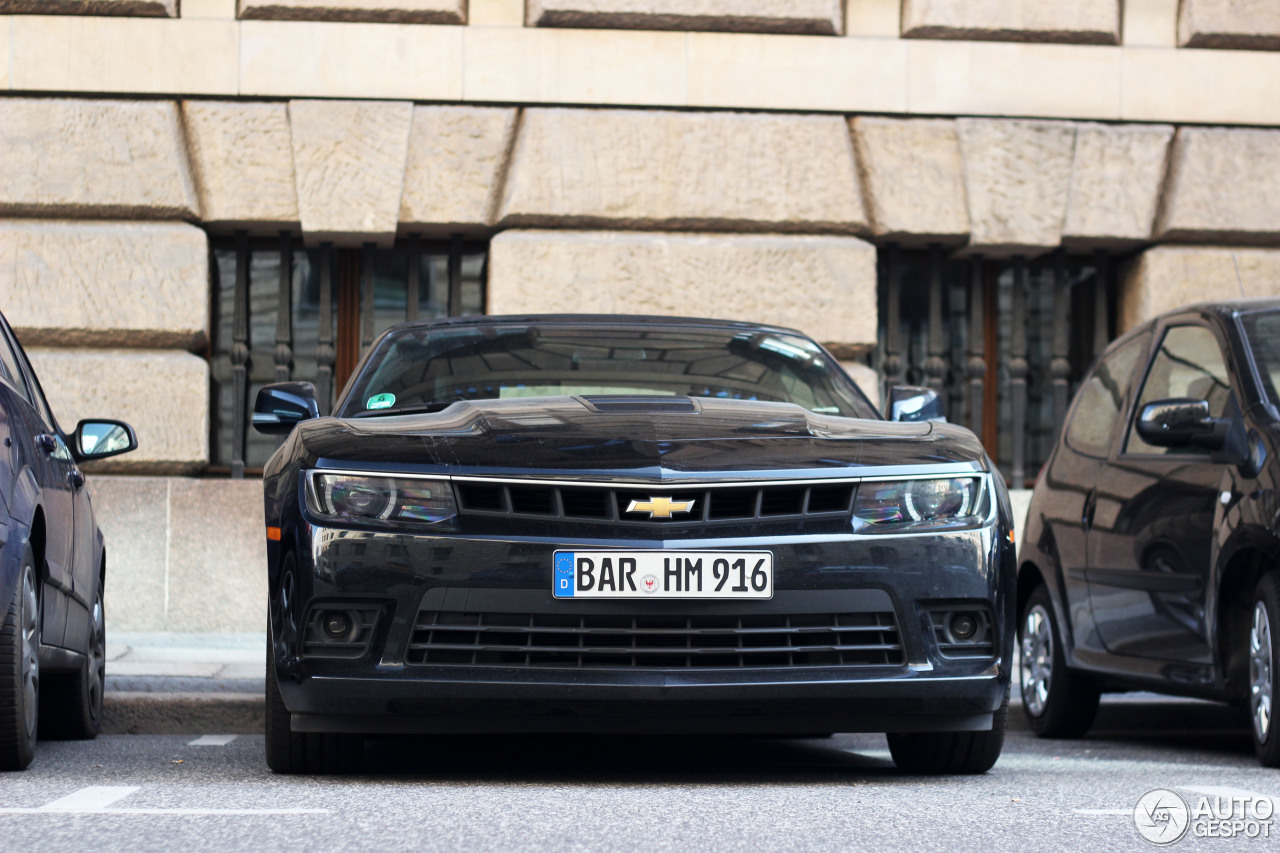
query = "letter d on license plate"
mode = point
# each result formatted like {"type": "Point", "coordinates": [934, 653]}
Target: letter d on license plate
{"type": "Point", "coordinates": [662, 574]}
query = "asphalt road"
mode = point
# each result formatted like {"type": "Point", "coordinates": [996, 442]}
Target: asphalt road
{"type": "Point", "coordinates": [180, 793]}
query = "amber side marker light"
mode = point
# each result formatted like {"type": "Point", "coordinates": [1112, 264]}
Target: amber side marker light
{"type": "Point", "coordinates": [273, 533]}
{"type": "Point", "coordinates": [277, 530]}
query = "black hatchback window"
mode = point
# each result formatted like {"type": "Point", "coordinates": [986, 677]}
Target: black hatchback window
{"type": "Point", "coordinates": [1188, 364]}
{"type": "Point", "coordinates": [9, 370]}
{"type": "Point", "coordinates": [1262, 330]}
{"type": "Point", "coordinates": [1101, 398]}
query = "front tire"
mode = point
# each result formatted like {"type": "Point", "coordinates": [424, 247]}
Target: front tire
{"type": "Point", "coordinates": [1057, 702]}
{"type": "Point", "coordinates": [20, 671]}
{"type": "Point", "coordinates": [289, 751]}
{"type": "Point", "coordinates": [1264, 651]}
{"type": "Point", "coordinates": [939, 753]}
{"type": "Point", "coordinates": [71, 703]}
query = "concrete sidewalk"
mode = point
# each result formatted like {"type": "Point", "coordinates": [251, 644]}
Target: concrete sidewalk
{"type": "Point", "coordinates": [184, 683]}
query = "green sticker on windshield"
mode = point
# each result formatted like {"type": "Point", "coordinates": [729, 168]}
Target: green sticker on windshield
{"type": "Point", "coordinates": [381, 401]}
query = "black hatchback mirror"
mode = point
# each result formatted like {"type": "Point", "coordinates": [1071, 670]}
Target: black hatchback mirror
{"type": "Point", "coordinates": [99, 439]}
{"type": "Point", "coordinates": [913, 403]}
{"type": "Point", "coordinates": [1181, 422]}
{"type": "Point", "coordinates": [281, 406]}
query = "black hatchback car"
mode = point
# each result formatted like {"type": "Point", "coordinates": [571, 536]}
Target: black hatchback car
{"type": "Point", "coordinates": [52, 566]}
{"type": "Point", "coordinates": [1151, 553]}
{"type": "Point", "coordinates": [628, 524]}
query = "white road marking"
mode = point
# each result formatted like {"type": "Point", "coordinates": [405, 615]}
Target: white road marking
{"type": "Point", "coordinates": [1227, 793]}
{"type": "Point", "coordinates": [95, 800]}
{"type": "Point", "coordinates": [212, 740]}
{"type": "Point", "coordinates": [165, 811]}
{"type": "Point", "coordinates": [91, 799]}
{"type": "Point", "coordinates": [1205, 790]}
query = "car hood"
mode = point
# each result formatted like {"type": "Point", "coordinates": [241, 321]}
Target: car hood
{"type": "Point", "coordinates": [574, 436]}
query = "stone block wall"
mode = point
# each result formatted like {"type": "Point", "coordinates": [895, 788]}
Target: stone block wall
{"type": "Point", "coordinates": [93, 189]}
{"type": "Point", "coordinates": [683, 171]}
{"type": "Point", "coordinates": [162, 394]}
{"type": "Point", "coordinates": [803, 17]}
{"type": "Point", "coordinates": [825, 286]}
{"type": "Point", "coordinates": [378, 11]}
{"type": "Point", "coordinates": [168, 567]}
{"type": "Point", "coordinates": [66, 157]}
{"type": "Point", "coordinates": [1165, 277]}
{"type": "Point", "coordinates": [1079, 21]}
{"type": "Point", "coordinates": [1224, 187]}
{"type": "Point", "coordinates": [1231, 24]}
{"type": "Point", "coordinates": [139, 8]}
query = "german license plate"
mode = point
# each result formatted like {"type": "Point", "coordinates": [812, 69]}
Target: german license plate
{"type": "Point", "coordinates": [662, 574]}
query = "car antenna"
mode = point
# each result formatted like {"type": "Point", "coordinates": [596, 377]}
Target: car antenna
{"type": "Point", "coordinates": [1239, 280]}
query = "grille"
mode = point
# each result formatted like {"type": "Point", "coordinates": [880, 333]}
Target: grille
{"type": "Point", "coordinates": [654, 642]}
{"type": "Point", "coordinates": [607, 503]}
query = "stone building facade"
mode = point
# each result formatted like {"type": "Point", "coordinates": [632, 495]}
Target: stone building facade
{"type": "Point", "coordinates": [197, 196]}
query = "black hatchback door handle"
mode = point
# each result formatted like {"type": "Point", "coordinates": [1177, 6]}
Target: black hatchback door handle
{"type": "Point", "coordinates": [1090, 505]}
{"type": "Point", "coordinates": [46, 442]}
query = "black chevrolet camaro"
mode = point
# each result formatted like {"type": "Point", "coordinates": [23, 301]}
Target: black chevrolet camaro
{"type": "Point", "coordinates": [629, 524]}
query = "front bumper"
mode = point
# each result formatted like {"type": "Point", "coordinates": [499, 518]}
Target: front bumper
{"type": "Point", "coordinates": [387, 686]}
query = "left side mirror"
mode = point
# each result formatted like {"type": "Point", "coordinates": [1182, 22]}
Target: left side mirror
{"type": "Point", "coordinates": [99, 439]}
{"type": "Point", "coordinates": [913, 403]}
{"type": "Point", "coordinates": [282, 405]}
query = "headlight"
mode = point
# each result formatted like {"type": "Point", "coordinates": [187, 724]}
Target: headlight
{"type": "Point", "coordinates": [896, 505]}
{"type": "Point", "coordinates": [393, 502]}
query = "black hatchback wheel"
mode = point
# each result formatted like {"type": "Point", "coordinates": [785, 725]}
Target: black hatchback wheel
{"type": "Point", "coordinates": [71, 703]}
{"type": "Point", "coordinates": [20, 671]}
{"type": "Point", "coordinates": [1264, 649]}
{"type": "Point", "coordinates": [1058, 702]}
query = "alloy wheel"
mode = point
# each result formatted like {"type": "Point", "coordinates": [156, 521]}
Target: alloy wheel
{"type": "Point", "coordinates": [1036, 670]}
{"type": "Point", "coordinates": [1260, 672]}
{"type": "Point", "coordinates": [30, 651]}
{"type": "Point", "coordinates": [285, 622]}
{"type": "Point", "coordinates": [97, 656]}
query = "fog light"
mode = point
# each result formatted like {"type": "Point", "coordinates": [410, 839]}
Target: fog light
{"type": "Point", "coordinates": [963, 626]}
{"type": "Point", "coordinates": [336, 625]}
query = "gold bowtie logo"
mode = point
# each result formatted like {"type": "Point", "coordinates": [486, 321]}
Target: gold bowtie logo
{"type": "Point", "coordinates": [660, 507]}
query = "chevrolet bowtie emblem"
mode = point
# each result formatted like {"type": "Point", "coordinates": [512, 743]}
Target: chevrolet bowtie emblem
{"type": "Point", "coordinates": [660, 507]}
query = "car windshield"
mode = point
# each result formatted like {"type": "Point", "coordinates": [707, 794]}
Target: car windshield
{"type": "Point", "coordinates": [416, 369]}
{"type": "Point", "coordinates": [1263, 333]}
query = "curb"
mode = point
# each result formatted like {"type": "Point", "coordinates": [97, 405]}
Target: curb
{"type": "Point", "coordinates": [125, 713]}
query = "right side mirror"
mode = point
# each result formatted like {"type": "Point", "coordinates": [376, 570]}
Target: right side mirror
{"type": "Point", "coordinates": [1181, 422]}
{"type": "Point", "coordinates": [283, 405]}
{"type": "Point", "coordinates": [913, 403]}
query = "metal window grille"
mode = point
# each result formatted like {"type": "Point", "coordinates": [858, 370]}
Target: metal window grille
{"type": "Point", "coordinates": [1005, 342]}
{"type": "Point", "coordinates": [281, 311]}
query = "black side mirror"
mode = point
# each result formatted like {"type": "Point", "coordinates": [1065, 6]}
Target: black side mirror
{"type": "Point", "coordinates": [99, 439]}
{"type": "Point", "coordinates": [1182, 422]}
{"type": "Point", "coordinates": [912, 403]}
{"type": "Point", "coordinates": [281, 406]}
